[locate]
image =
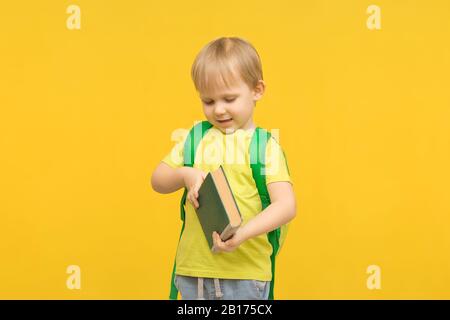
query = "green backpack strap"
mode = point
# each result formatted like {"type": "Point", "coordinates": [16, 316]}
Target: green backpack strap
{"type": "Point", "coordinates": [258, 164]}
{"type": "Point", "coordinates": [190, 147]}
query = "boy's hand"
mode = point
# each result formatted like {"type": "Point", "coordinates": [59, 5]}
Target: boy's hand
{"type": "Point", "coordinates": [229, 245]}
{"type": "Point", "coordinates": [193, 179]}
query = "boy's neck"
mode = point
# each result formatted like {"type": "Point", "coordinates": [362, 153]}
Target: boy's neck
{"type": "Point", "coordinates": [249, 125]}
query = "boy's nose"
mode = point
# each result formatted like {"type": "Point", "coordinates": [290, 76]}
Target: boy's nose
{"type": "Point", "coordinates": [219, 110]}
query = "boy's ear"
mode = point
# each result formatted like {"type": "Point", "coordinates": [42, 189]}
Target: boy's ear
{"type": "Point", "coordinates": [259, 90]}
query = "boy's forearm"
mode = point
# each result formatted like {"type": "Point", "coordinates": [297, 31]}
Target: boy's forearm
{"type": "Point", "coordinates": [166, 179]}
{"type": "Point", "coordinates": [272, 217]}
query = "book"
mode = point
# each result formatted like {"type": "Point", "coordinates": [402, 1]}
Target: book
{"type": "Point", "coordinates": [217, 210]}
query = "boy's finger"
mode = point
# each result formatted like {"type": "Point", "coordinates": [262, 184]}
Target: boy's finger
{"type": "Point", "coordinates": [191, 199]}
{"type": "Point", "coordinates": [217, 238]}
{"type": "Point", "coordinates": [197, 187]}
{"type": "Point", "coordinates": [195, 201]}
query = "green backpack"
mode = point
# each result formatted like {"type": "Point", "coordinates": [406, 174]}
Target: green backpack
{"type": "Point", "coordinates": [257, 163]}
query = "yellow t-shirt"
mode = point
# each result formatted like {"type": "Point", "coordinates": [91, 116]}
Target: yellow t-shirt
{"type": "Point", "coordinates": [251, 260]}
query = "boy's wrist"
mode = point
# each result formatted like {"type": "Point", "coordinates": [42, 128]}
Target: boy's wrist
{"type": "Point", "coordinates": [183, 171]}
{"type": "Point", "coordinates": [244, 233]}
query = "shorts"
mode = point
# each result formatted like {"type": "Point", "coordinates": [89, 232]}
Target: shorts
{"type": "Point", "coordinates": [193, 288]}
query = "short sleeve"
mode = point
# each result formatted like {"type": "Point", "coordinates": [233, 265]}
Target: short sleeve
{"type": "Point", "coordinates": [175, 157]}
{"type": "Point", "coordinates": [276, 163]}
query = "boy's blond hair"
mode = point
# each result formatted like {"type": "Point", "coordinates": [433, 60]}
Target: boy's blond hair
{"type": "Point", "coordinates": [222, 61]}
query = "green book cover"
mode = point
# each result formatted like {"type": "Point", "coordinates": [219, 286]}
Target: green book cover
{"type": "Point", "coordinates": [212, 210]}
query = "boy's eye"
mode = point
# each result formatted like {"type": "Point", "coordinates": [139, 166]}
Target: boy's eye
{"type": "Point", "coordinates": [210, 102]}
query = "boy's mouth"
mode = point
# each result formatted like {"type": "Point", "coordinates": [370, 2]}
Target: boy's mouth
{"type": "Point", "coordinates": [225, 121]}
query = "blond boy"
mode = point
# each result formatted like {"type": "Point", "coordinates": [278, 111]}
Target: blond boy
{"type": "Point", "coordinates": [227, 74]}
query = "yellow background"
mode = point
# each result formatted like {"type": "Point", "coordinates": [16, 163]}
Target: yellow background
{"type": "Point", "coordinates": [86, 115]}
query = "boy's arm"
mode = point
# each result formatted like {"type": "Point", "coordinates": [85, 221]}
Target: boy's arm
{"type": "Point", "coordinates": [281, 210]}
{"type": "Point", "coordinates": [166, 179]}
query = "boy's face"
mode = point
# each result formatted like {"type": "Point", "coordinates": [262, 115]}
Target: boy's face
{"type": "Point", "coordinates": [232, 109]}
